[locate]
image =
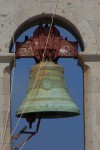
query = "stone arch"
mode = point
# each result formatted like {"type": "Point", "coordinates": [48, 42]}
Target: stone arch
{"type": "Point", "coordinates": [46, 18]}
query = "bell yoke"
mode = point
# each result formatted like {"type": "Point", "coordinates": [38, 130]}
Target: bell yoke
{"type": "Point", "coordinates": [47, 95]}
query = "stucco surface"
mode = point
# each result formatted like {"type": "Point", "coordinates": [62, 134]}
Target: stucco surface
{"type": "Point", "coordinates": [82, 13]}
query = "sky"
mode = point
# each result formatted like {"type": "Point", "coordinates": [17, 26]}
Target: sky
{"type": "Point", "coordinates": [54, 134]}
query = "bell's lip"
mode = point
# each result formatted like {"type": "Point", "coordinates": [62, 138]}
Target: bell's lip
{"type": "Point", "coordinates": [50, 114]}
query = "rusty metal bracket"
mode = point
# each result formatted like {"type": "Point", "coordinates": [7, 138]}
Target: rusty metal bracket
{"type": "Point", "coordinates": [57, 47]}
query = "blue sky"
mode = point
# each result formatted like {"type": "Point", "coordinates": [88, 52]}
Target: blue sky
{"type": "Point", "coordinates": [55, 134]}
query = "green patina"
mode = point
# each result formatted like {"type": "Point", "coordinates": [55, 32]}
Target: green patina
{"type": "Point", "coordinates": [47, 95]}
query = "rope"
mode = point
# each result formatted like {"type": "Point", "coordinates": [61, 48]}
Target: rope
{"type": "Point", "coordinates": [43, 57]}
{"type": "Point", "coordinates": [44, 52]}
{"type": "Point", "coordinates": [35, 79]}
{"type": "Point", "coordinates": [23, 144]}
{"type": "Point", "coordinates": [8, 114]}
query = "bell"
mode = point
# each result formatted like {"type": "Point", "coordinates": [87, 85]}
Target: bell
{"type": "Point", "coordinates": [47, 96]}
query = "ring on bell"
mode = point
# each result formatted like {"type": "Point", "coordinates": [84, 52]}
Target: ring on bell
{"type": "Point", "coordinates": [47, 84]}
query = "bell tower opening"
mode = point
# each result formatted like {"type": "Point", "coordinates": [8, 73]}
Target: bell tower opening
{"type": "Point", "coordinates": [73, 79]}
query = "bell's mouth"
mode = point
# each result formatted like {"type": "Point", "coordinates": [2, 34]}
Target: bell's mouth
{"type": "Point", "coordinates": [49, 115]}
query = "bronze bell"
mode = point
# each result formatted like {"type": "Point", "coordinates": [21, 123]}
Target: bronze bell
{"type": "Point", "coordinates": [47, 95]}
